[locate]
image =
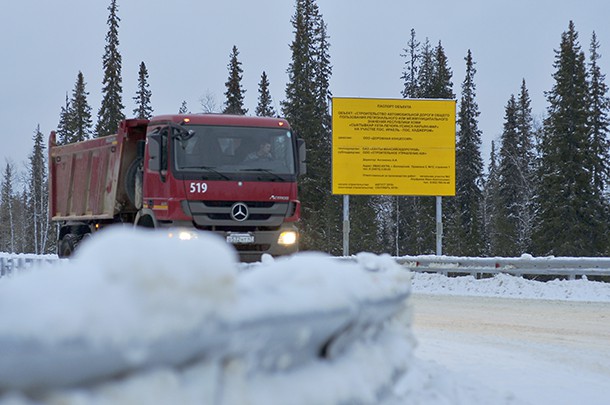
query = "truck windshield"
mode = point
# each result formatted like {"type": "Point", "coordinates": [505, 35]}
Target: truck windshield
{"type": "Point", "coordinates": [227, 150]}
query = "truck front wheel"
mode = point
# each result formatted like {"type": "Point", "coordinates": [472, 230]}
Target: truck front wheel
{"type": "Point", "coordinates": [67, 245]}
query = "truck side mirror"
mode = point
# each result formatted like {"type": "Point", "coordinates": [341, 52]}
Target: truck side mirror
{"type": "Point", "coordinates": [154, 152]}
{"type": "Point", "coordinates": [302, 153]}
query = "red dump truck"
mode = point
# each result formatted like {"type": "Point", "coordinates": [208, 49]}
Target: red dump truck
{"type": "Point", "coordinates": [232, 175]}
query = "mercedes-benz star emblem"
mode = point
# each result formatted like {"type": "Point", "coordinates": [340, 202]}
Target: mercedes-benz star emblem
{"type": "Point", "coordinates": [239, 211]}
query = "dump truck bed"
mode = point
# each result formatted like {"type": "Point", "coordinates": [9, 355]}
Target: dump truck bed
{"type": "Point", "coordinates": [87, 179]}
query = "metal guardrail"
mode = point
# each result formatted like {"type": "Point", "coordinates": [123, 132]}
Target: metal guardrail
{"type": "Point", "coordinates": [568, 267]}
{"type": "Point", "coordinates": [10, 263]}
{"type": "Point", "coordinates": [524, 266]}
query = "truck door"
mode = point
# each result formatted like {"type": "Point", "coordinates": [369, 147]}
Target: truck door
{"type": "Point", "coordinates": [157, 176]}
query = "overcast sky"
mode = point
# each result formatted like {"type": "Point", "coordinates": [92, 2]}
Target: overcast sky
{"type": "Point", "coordinates": [186, 45]}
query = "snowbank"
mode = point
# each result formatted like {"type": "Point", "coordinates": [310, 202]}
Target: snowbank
{"type": "Point", "coordinates": [506, 286]}
{"type": "Point", "coordinates": [121, 286]}
{"type": "Point", "coordinates": [128, 291]}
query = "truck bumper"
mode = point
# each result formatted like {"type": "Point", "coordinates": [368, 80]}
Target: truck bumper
{"type": "Point", "coordinates": [264, 242]}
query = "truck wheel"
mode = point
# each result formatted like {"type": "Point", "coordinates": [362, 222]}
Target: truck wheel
{"type": "Point", "coordinates": [67, 245]}
{"type": "Point", "coordinates": [133, 181]}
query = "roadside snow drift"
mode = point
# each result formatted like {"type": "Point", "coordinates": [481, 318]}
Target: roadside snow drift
{"type": "Point", "coordinates": [141, 317]}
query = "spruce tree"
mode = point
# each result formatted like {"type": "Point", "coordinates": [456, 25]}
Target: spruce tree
{"type": "Point", "coordinates": [416, 216]}
{"type": "Point", "coordinates": [570, 208]}
{"type": "Point", "coordinates": [509, 186]}
{"type": "Point", "coordinates": [37, 198]}
{"type": "Point", "coordinates": [426, 72]}
{"type": "Point", "coordinates": [306, 107]}
{"type": "Point", "coordinates": [464, 225]}
{"type": "Point", "coordinates": [234, 103]}
{"type": "Point", "coordinates": [111, 110]}
{"type": "Point", "coordinates": [333, 206]}
{"type": "Point", "coordinates": [526, 160]}
{"type": "Point", "coordinates": [79, 113]}
{"type": "Point", "coordinates": [322, 75]}
{"type": "Point", "coordinates": [183, 108]}
{"type": "Point", "coordinates": [441, 85]}
{"type": "Point", "coordinates": [404, 224]}
{"type": "Point", "coordinates": [143, 108]}
{"type": "Point", "coordinates": [264, 108]}
{"type": "Point", "coordinates": [7, 216]}
{"type": "Point", "coordinates": [599, 123]}
{"type": "Point", "coordinates": [410, 72]}
{"type": "Point", "coordinates": [491, 204]}
{"type": "Point", "coordinates": [65, 132]}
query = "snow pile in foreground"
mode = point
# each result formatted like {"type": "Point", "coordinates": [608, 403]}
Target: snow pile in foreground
{"type": "Point", "coordinates": [121, 286]}
{"type": "Point", "coordinates": [507, 286]}
{"type": "Point", "coordinates": [127, 285]}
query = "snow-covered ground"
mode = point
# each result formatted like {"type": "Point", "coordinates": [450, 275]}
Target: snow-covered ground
{"type": "Point", "coordinates": [453, 353]}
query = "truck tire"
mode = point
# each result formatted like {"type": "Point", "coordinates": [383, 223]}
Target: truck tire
{"type": "Point", "coordinates": [67, 245]}
{"type": "Point", "coordinates": [133, 183]}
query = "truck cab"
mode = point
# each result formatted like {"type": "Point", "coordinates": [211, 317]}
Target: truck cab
{"type": "Point", "coordinates": [233, 175]}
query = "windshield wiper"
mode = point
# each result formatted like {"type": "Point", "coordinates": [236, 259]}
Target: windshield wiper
{"type": "Point", "coordinates": [277, 176]}
{"type": "Point", "coordinates": [208, 168]}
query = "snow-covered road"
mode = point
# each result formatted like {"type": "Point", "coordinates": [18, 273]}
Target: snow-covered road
{"type": "Point", "coordinates": [528, 351]}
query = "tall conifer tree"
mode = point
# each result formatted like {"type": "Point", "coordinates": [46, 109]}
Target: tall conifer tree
{"type": "Point", "coordinates": [491, 204]}
{"type": "Point", "coordinates": [37, 203]}
{"type": "Point", "coordinates": [142, 98]}
{"type": "Point", "coordinates": [264, 108]}
{"type": "Point", "coordinates": [599, 127]}
{"type": "Point", "coordinates": [416, 215]}
{"type": "Point", "coordinates": [599, 122]}
{"type": "Point", "coordinates": [464, 225]}
{"type": "Point", "coordinates": [234, 103]}
{"type": "Point", "coordinates": [64, 131]}
{"type": "Point", "coordinates": [410, 72]}
{"type": "Point", "coordinates": [406, 222]}
{"type": "Point", "coordinates": [80, 112]}
{"type": "Point", "coordinates": [426, 71]}
{"type": "Point", "coordinates": [111, 111]}
{"type": "Point", "coordinates": [306, 107]}
{"type": "Point", "coordinates": [441, 85]}
{"type": "Point", "coordinates": [7, 216]}
{"type": "Point", "coordinates": [570, 208]}
{"type": "Point", "coordinates": [526, 162]}
{"type": "Point", "coordinates": [509, 186]}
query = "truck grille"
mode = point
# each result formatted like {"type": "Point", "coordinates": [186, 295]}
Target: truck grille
{"type": "Point", "coordinates": [216, 215]}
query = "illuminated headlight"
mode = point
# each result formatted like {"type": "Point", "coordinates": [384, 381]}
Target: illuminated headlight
{"type": "Point", "coordinates": [182, 234]}
{"type": "Point", "coordinates": [287, 238]}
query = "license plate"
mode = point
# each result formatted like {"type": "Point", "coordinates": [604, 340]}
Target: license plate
{"type": "Point", "coordinates": [240, 238]}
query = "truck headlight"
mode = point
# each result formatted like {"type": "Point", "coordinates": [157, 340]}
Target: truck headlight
{"type": "Point", "coordinates": [287, 238]}
{"type": "Point", "coordinates": [182, 234]}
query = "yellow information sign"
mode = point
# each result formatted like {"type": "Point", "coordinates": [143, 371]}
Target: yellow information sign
{"type": "Point", "coordinates": [393, 146]}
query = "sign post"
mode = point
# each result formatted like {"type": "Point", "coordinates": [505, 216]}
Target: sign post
{"type": "Point", "coordinates": [394, 147]}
